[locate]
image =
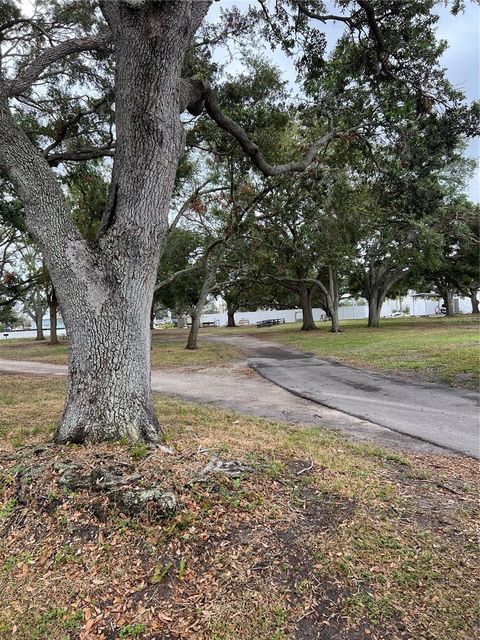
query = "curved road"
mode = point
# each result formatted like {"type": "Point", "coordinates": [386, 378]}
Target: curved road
{"type": "Point", "coordinates": [434, 413]}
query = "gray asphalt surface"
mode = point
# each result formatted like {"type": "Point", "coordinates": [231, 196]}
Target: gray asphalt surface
{"type": "Point", "coordinates": [435, 413]}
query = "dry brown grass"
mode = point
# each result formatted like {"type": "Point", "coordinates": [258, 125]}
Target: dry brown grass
{"type": "Point", "coordinates": [365, 544]}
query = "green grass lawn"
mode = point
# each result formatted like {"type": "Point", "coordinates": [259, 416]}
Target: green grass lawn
{"type": "Point", "coordinates": [433, 349]}
{"type": "Point", "coordinates": [168, 350]}
{"type": "Point", "coordinates": [323, 536]}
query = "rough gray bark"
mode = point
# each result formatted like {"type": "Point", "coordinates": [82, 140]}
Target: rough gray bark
{"type": "Point", "coordinates": [109, 393]}
{"type": "Point", "coordinates": [106, 293]}
{"type": "Point", "coordinates": [305, 300]}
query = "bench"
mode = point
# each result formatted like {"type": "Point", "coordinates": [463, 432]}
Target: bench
{"type": "Point", "coordinates": [208, 324]}
{"type": "Point", "coordinates": [270, 322]}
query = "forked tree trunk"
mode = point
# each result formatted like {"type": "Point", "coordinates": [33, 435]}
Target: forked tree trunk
{"type": "Point", "coordinates": [53, 307]}
{"type": "Point", "coordinates": [305, 299]}
{"type": "Point", "coordinates": [35, 309]}
{"type": "Point", "coordinates": [211, 269]}
{"type": "Point", "coordinates": [105, 292]}
{"type": "Point", "coordinates": [474, 301]}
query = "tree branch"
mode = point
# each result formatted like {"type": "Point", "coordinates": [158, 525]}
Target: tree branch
{"type": "Point", "coordinates": [79, 155]}
{"type": "Point", "coordinates": [174, 276]}
{"type": "Point", "coordinates": [188, 202]}
{"type": "Point", "coordinates": [252, 150]}
{"type": "Point", "coordinates": [64, 126]}
{"type": "Point", "coordinates": [376, 34]}
{"type": "Point", "coordinates": [51, 55]}
{"type": "Point", "coordinates": [322, 18]}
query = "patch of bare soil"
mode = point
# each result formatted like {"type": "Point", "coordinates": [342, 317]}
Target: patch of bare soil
{"type": "Point", "coordinates": [438, 492]}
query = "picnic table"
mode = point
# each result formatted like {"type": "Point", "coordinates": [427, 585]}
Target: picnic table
{"type": "Point", "coordinates": [270, 322]}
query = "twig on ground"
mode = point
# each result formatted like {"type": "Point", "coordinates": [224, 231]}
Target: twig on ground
{"type": "Point", "coordinates": [299, 473]}
{"type": "Point", "coordinates": [306, 614]}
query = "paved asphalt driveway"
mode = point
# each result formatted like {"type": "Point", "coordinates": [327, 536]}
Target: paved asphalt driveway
{"type": "Point", "coordinates": [434, 413]}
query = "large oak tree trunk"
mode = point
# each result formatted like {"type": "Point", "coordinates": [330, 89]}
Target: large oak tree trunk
{"type": "Point", "coordinates": [105, 291]}
{"type": "Point", "coordinates": [447, 296]}
{"type": "Point", "coordinates": [305, 299]}
{"type": "Point", "coordinates": [109, 394]}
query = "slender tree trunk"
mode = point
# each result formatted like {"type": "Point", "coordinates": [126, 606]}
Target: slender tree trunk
{"type": "Point", "coordinates": [333, 281]}
{"type": "Point", "coordinates": [152, 318]}
{"type": "Point", "coordinates": [53, 307]}
{"type": "Point", "coordinates": [192, 340]}
{"type": "Point", "coordinates": [39, 323]}
{"type": "Point", "coordinates": [305, 299]}
{"type": "Point", "coordinates": [211, 270]}
{"type": "Point", "coordinates": [474, 301]}
{"type": "Point", "coordinates": [231, 310]}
